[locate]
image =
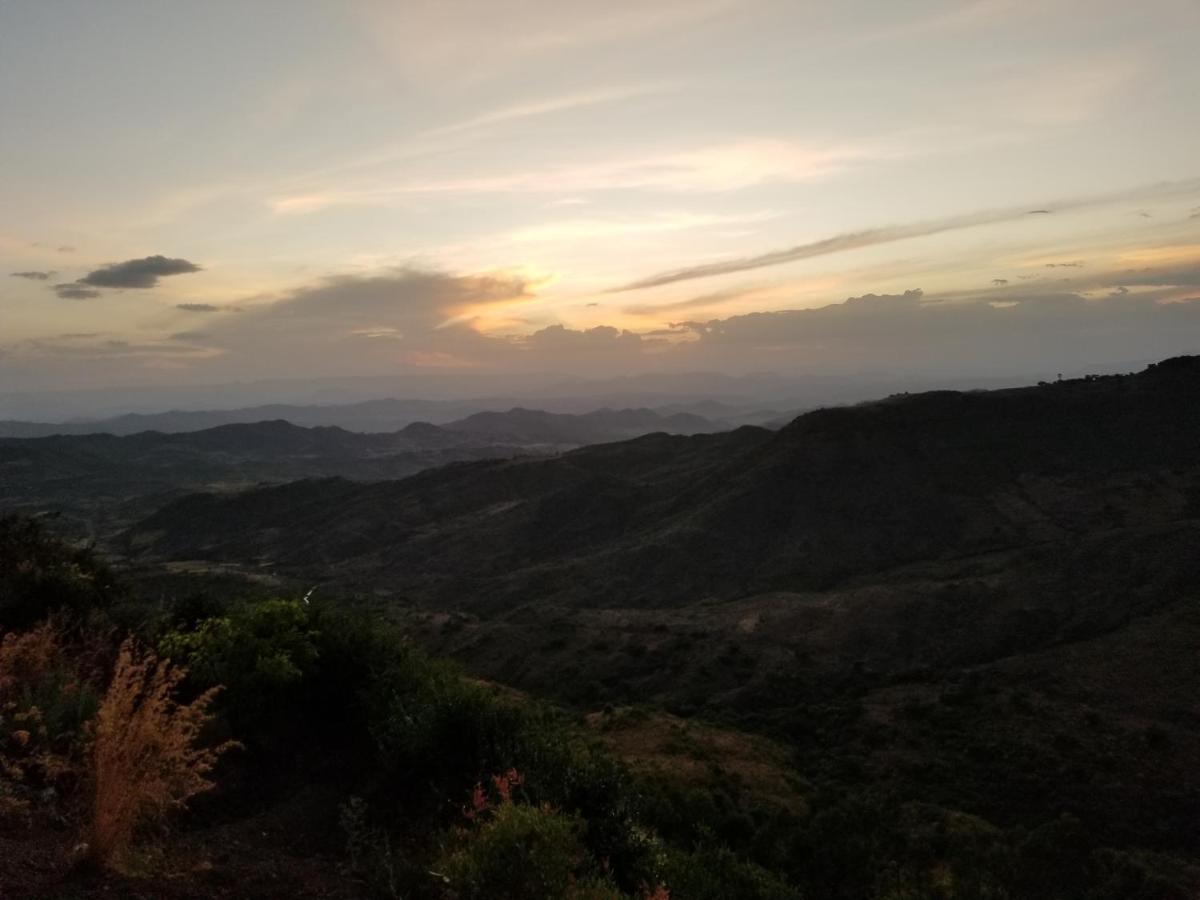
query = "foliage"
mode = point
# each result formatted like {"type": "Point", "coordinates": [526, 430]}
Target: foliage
{"type": "Point", "coordinates": [40, 574]}
{"type": "Point", "coordinates": [332, 695]}
{"type": "Point", "coordinates": [262, 645]}
{"type": "Point", "coordinates": [520, 852]}
{"type": "Point", "coordinates": [45, 703]}
{"type": "Point", "coordinates": [147, 760]}
{"type": "Point", "coordinates": [715, 872]}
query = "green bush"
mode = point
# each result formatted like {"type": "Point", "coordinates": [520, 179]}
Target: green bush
{"type": "Point", "coordinates": [519, 853]}
{"type": "Point", "coordinates": [716, 873]}
{"type": "Point", "coordinates": [261, 653]}
{"type": "Point", "coordinates": [260, 647]}
{"type": "Point", "coordinates": [40, 574]}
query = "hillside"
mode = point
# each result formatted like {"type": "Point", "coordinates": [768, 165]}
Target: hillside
{"type": "Point", "coordinates": [531, 426]}
{"type": "Point", "coordinates": [102, 481]}
{"type": "Point", "coordinates": [938, 645]}
{"type": "Point", "coordinates": [365, 416]}
{"type": "Point", "coordinates": [983, 600]}
{"type": "Point", "coordinates": [379, 416]}
{"type": "Point", "coordinates": [661, 520]}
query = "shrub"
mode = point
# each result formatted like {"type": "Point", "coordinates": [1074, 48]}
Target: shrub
{"type": "Point", "coordinates": [146, 759]}
{"type": "Point", "coordinates": [519, 852]}
{"type": "Point", "coordinates": [40, 575]}
{"type": "Point", "coordinates": [261, 654]}
{"type": "Point", "coordinates": [44, 706]}
{"type": "Point", "coordinates": [716, 873]}
{"type": "Point", "coordinates": [372, 856]}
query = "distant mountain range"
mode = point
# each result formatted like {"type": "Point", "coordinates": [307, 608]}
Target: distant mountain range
{"type": "Point", "coordinates": [385, 416]}
{"type": "Point", "coordinates": [666, 520]}
{"type": "Point", "coordinates": [102, 479]}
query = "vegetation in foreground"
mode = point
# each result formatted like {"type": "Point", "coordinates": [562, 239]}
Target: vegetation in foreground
{"type": "Point", "coordinates": [383, 771]}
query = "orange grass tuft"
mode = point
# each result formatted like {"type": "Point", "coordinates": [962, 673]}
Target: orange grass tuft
{"type": "Point", "coordinates": [146, 759]}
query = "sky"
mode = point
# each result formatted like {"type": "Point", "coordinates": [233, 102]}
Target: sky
{"type": "Point", "coordinates": [194, 192]}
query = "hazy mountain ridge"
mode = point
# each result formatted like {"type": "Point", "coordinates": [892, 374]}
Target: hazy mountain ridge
{"type": "Point", "coordinates": [838, 493]}
{"type": "Point", "coordinates": [363, 404]}
{"type": "Point", "coordinates": [92, 476]}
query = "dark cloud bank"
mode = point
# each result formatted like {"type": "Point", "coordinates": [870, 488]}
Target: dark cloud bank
{"type": "Point", "coordinates": [138, 273]}
{"type": "Point", "coordinates": [73, 290]}
{"type": "Point", "coordinates": [409, 318]}
{"type": "Point", "coordinates": [132, 274]}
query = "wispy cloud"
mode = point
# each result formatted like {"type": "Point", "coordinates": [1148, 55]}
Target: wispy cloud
{"type": "Point", "coordinates": [582, 229]}
{"type": "Point", "coordinates": [888, 234]}
{"type": "Point", "coordinates": [537, 108]}
{"type": "Point", "coordinates": [716, 168]}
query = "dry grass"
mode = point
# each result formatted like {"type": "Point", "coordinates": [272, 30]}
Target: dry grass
{"type": "Point", "coordinates": [29, 755]}
{"type": "Point", "coordinates": [27, 656]}
{"type": "Point", "coordinates": [697, 754]}
{"type": "Point", "coordinates": [147, 761]}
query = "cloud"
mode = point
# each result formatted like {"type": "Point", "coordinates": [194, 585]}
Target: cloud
{"type": "Point", "coordinates": [574, 230]}
{"type": "Point", "coordinates": [75, 291]}
{"type": "Point", "coordinates": [408, 321]}
{"type": "Point", "coordinates": [888, 234]}
{"type": "Point", "coordinates": [339, 323]}
{"type": "Point", "coordinates": [198, 307]}
{"type": "Point", "coordinates": [711, 169]}
{"type": "Point", "coordinates": [701, 302]}
{"type": "Point", "coordinates": [1074, 264]}
{"type": "Point", "coordinates": [602, 337]}
{"type": "Point", "coordinates": [66, 248]}
{"type": "Point", "coordinates": [34, 276]}
{"type": "Point", "coordinates": [999, 282]}
{"type": "Point", "coordinates": [1027, 331]}
{"type": "Point", "coordinates": [138, 273]}
{"type": "Point", "coordinates": [1038, 212]}
{"type": "Point", "coordinates": [534, 109]}
{"type": "Point", "coordinates": [435, 40]}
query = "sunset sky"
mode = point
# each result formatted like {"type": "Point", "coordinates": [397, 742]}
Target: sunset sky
{"type": "Point", "coordinates": [195, 191]}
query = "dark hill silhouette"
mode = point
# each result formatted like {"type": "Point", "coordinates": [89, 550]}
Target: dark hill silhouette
{"type": "Point", "coordinates": [838, 493]}
{"type": "Point", "coordinates": [385, 416]}
{"type": "Point", "coordinates": [986, 600]}
{"type": "Point", "coordinates": [531, 426]}
{"type": "Point", "coordinates": [100, 480]}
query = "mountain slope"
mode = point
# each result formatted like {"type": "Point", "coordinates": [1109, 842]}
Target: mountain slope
{"type": "Point", "coordinates": [670, 520]}
{"type": "Point", "coordinates": [984, 602]}
{"type": "Point", "coordinates": [379, 416]}
{"type": "Point", "coordinates": [531, 426]}
{"type": "Point", "coordinates": [102, 480]}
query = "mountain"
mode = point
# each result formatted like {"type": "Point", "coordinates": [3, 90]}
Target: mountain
{"type": "Point", "coordinates": [664, 520]}
{"type": "Point", "coordinates": [380, 416]}
{"type": "Point", "coordinates": [378, 404]}
{"type": "Point", "coordinates": [366, 416]}
{"type": "Point", "coordinates": [531, 426]}
{"type": "Point", "coordinates": [102, 479]}
{"type": "Point", "coordinates": [980, 601]}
